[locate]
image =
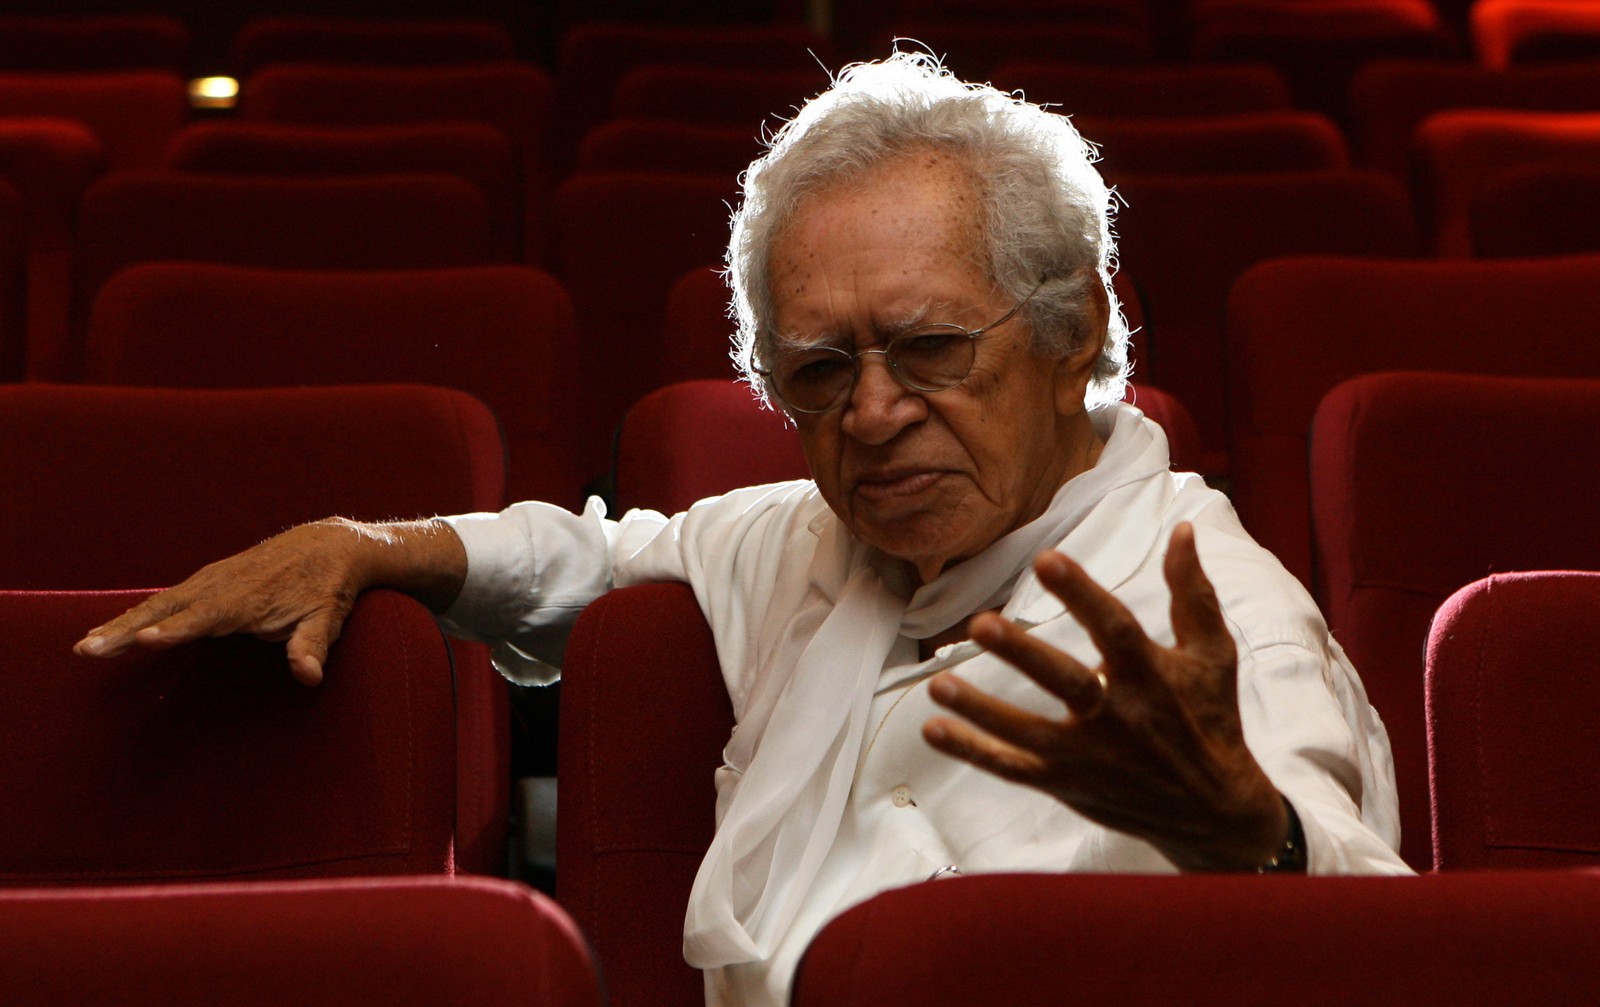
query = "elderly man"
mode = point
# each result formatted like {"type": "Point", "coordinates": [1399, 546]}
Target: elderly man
{"type": "Point", "coordinates": [921, 277]}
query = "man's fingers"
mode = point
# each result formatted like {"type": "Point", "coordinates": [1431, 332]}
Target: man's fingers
{"type": "Point", "coordinates": [1197, 622]}
{"type": "Point", "coordinates": [996, 716]}
{"type": "Point", "coordinates": [112, 638]}
{"type": "Point", "coordinates": [1057, 672]}
{"type": "Point", "coordinates": [309, 644]}
{"type": "Point", "coordinates": [1115, 631]}
{"type": "Point", "coordinates": [963, 741]}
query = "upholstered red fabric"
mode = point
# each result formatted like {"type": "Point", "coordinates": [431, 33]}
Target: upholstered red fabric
{"type": "Point", "coordinates": [644, 716]}
{"type": "Point", "coordinates": [208, 761]}
{"type": "Point", "coordinates": [1216, 145]}
{"type": "Point", "coordinates": [398, 941]}
{"type": "Point", "coordinates": [1508, 32]}
{"type": "Point", "coordinates": [517, 98]}
{"type": "Point", "coordinates": [1158, 91]}
{"type": "Point", "coordinates": [973, 46]}
{"type": "Point", "coordinates": [502, 333]}
{"type": "Point", "coordinates": [1460, 151]}
{"type": "Point", "coordinates": [1297, 327]}
{"type": "Point", "coordinates": [594, 56]}
{"type": "Point", "coordinates": [1538, 209]}
{"type": "Point", "coordinates": [385, 42]}
{"type": "Point", "coordinates": [1511, 702]}
{"type": "Point", "coordinates": [697, 439]}
{"type": "Point", "coordinates": [1183, 437]}
{"type": "Point", "coordinates": [664, 145]}
{"type": "Point", "coordinates": [696, 332]}
{"type": "Point", "coordinates": [92, 43]}
{"type": "Point", "coordinates": [1423, 483]}
{"type": "Point", "coordinates": [478, 152]}
{"type": "Point", "coordinates": [132, 113]}
{"type": "Point", "coordinates": [14, 228]}
{"type": "Point", "coordinates": [1389, 98]}
{"type": "Point", "coordinates": [715, 96]}
{"type": "Point", "coordinates": [622, 240]}
{"type": "Point", "coordinates": [367, 222]}
{"type": "Point", "coordinates": [1319, 47]}
{"type": "Point", "coordinates": [160, 482]}
{"type": "Point", "coordinates": [1186, 239]}
{"type": "Point", "coordinates": [1034, 940]}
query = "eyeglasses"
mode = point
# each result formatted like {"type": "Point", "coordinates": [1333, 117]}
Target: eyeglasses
{"type": "Point", "coordinates": [927, 358]}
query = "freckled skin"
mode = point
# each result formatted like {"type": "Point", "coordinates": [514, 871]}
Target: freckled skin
{"type": "Point", "coordinates": [930, 478]}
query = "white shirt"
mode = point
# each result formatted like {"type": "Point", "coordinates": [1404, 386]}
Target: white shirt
{"type": "Point", "coordinates": [757, 564]}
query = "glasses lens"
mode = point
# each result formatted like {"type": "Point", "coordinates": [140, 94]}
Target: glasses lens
{"type": "Point", "coordinates": [812, 380]}
{"type": "Point", "coordinates": [933, 357]}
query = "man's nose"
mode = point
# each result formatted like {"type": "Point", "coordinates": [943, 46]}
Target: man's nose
{"type": "Point", "coordinates": [879, 406]}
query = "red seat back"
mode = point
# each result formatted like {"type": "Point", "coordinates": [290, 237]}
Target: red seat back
{"type": "Point", "coordinates": [698, 439]}
{"type": "Point", "coordinates": [379, 42]}
{"type": "Point", "coordinates": [474, 151]}
{"type": "Point", "coordinates": [1421, 484]}
{"type": "Point", "coordinates": [714, 96]}
{"type": "Point", "coordinates": [1538, 210]}
{"type": "Point", "coordinates": [132, 113]}
{"type": "Point", "coordinates": [1511, 790]}
{"type": "Point", "coordinates": [1222, 145]}
{"type": "Point", "coordinates": [1471, 938]}
{"type": "Point", "coordinates": [1508, 32]}
{"type": "Point", "coordinates": [94, 43]}
{"type": "Point", "coordinates": [644, 717]}
{"type": "Point", "coordinates": [1460, 152]}
{"type": "Point", "coordinates": [664, 145]}
{"type": "Point", "coordinates": [209, 762]}
{"type": "Point", "coordinates": [401, 941]}
{"type": "Point", "coordinates": [501, 333]}
{"type": "Point", "coordinates": [1187, 238]}
{"type": "Point", "coordinates": [1156, 91]}
{"type": "Point", "coordinates": [1297, 327]}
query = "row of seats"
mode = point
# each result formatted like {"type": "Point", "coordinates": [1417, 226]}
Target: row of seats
{"type": "Point", "coordinates": [149, 741]}
{"type": "Point", "coordinates": [1502, 32]}
{"type": "Point", "coordinates": [1390, 547]}
{"type": "Point", "coordinates": [1289, 331]}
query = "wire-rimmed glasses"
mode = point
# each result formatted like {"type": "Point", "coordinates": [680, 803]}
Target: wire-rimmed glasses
{"type": "Point", "coordinates": [925, 358]}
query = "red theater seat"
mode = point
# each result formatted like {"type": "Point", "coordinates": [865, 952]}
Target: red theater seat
{"type": "Point", "coordinates": [1318, 45]}
{"type": "Point", "coordinates": [1389, 98]}
{"type": "Point", "coordinates": [208, 762]}
{"type": "Point", "coordinates": [89, 43]}
{"type": "Point", "coordinates": [1467, 939]}
{"type": "Point", "coordinates": [474, 151]}
{"type": "Point", "coordinates": [1250, 142]}
{"type": "Point", "coordinates": [1161, 90]}
{"type": "Point", "coordinates": [1536, 210]}
{"type": "Point", "coordinates": [380, 42]}
{"type": "Point", "coordinates": [638, 232]}
{"type": "Point", "coordinates": [1187, 238]}
{"type": "Point", "coordinates": [398, 941]}
{"type": "Point", "coordinates": [1508, 32]}
{"type": "Point", "coordinates": [1460, 151]}
{"type": "Point", "coordinates": [714, 96]}
{"type": "Point", "coordinates": [151, 469]}
{"type": "Point", "coordinates": [13, 283]}
{"type": "Point", "coordinates": [636, 798]}
{"type": "Point", "coordinates": [1297, 327]}
{"type": "Point", "coordinates": [132, 113]}
{"type": "Point", "coordinates": [367, 222]}
{"type": "Point", "coordinates": [657, 145]}
{"type": "Point", "coordinates": [501, 333]}
{"type": "Point", "coordinates": [698, 439]}
{"type": "Point", "coordinates": [1422, 484]}
{"type": "Point", "coordinates": [973, 47]}
{"type": "Point", "coordinates": [1511, 789]}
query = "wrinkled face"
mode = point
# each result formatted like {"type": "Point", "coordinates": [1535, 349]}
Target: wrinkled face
{"type": "Point", "coordinates": [929, 477]}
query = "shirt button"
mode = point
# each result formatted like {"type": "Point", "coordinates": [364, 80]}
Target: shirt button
{"type": "Point", "coordinates": [901, 796]}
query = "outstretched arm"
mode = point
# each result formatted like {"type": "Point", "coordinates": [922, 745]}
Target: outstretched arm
{"type": "Point", "coordinates": [1151, 743]}
{"type": "Point", "coordinates": [296, 587]}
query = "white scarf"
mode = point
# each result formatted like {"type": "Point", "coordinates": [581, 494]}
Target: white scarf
{"type": "Point", "coordinates": [800, 742]}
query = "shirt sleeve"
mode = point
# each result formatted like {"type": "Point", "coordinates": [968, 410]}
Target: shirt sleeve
{"type": "Point", "coordinates": [532, 568]}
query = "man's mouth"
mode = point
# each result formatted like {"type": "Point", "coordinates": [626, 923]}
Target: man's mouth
{"type": "Point", "coordinates": [897, 483]}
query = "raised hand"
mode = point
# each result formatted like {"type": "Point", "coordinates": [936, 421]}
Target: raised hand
{"type": "Point", "coordinates": [1151, 743]}
{"type": "Point", "coordinates": [296, 587]}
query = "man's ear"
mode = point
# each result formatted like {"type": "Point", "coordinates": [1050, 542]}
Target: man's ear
{"type": "Point", "coordinates": [1074, 371]}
